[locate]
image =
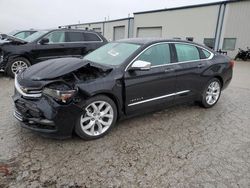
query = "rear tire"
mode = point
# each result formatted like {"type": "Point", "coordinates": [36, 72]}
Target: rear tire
{"type": "Point", "coordinates": [98, 118]}
{"type": "Point", "coordinates": [15, 65]}
{"type": "Point", "coordinates": [211, 93]}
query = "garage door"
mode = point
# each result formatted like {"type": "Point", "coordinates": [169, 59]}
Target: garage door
{"type": "Point", "coordinates": [119, 32]}
{"type": "Point", "coordinates": [149, 32]}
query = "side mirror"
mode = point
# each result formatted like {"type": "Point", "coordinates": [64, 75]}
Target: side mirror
{"type": "Point", "coordinates": [44, 41]}
{"type": "Point", "coordinates": [140, 65]}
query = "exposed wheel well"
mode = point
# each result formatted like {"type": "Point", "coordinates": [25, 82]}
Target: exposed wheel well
{"type": "Point", "coordinates": [113, 98]}
{"type": "Point", "coordinates": [220, 79]}
{"type": "Point", "coordinates": [19, 56]}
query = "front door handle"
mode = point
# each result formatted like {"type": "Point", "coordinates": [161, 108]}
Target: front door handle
{"type": "Point", "coordinates": [200, 65]}
{"type": "Point", "coordinates": [169, 70]}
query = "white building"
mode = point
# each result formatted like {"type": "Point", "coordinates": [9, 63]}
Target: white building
{"type": "Point", "coordinates": [221, 25]}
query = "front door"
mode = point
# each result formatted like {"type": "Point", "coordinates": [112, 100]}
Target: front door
{"type": "Point", "coordinates": [55, 48]}
{"type": "Point", "coordinates": [147, 89]}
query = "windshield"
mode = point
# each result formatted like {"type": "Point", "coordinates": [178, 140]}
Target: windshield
{"type": "Point", "coordinates": [112, 53]}
{"type": "Point", "coordinates": [35, 36]}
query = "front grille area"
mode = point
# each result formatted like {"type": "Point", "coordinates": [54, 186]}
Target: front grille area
{"type": "Point", "coordinates": [26, 92]}
{"type": "Point", "coordinates": [28, 110]}
{"type": "Point", "coordinates": [18, 115]}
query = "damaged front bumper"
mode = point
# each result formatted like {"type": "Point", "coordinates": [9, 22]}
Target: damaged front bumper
{"type": "Point", "coordinates": [46, 116]}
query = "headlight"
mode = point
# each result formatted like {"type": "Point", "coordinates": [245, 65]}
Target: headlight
{"type": "Point", "coordinates": [63, 96]}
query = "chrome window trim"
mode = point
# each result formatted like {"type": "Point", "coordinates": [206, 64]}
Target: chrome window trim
{"type": "Point", "coordinates": [160, 97]}
{"type": "Point", "coordinates": [210, 57]}
{"type": "Point", "coordinates": [100, 41]}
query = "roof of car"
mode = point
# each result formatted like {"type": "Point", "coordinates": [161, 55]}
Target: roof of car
{"type": "Point", "coordinates": [69, 29]}
{"type": "Point", "coordinates": [151, 40]}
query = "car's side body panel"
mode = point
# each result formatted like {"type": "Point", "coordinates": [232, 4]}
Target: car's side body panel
{"type": "Point", "coordinates": [35, 52]}
{"type": "Point", "coordinates": [133, 91]}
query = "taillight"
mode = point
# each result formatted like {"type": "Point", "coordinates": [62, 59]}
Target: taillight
{"type": "Point", "coordinates": [231, 63]}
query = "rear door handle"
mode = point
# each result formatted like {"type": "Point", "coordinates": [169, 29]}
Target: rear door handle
{"type": "Point", "coordinates": [200, 65]}
{"type": "Point", "coordinates": [169, 70]}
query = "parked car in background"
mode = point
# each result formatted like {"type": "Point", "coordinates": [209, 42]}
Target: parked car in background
{"type": "Point", "coordinates": [18, 54]}
{"type": "Point", "coordinates": [120, 79]}
{"type": "Point", "coordinates": [22, 34]}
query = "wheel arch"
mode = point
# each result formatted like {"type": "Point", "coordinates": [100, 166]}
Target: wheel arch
{"type": "Point", "coordinates": [113, 98]}
{"type": "Point", "coordinates": [18, 56]}
{"type": "Point", "coordinates": [220, 79]}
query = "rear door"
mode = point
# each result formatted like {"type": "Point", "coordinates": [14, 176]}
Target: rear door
{"type": "Point", "coordinates": [192, 61]}
{"type": "Point", "coordinates": [145, 90]}
{"type": "Point", "coordinates": [80, 43]}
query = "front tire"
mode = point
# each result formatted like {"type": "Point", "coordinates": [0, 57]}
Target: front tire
{"type": "Point", "coordinates": [16, 64]}
{"type": "Point", "coordinates": [211, 93]}
{"type": "Point", "coordinates": [98, 118]}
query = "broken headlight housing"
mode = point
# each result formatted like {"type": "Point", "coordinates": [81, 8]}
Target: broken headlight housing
{"type": "Point", "coordinates": [61, 93]}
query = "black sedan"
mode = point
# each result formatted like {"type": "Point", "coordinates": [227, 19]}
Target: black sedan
{"type": "Point", "coordinates": [118, 80]}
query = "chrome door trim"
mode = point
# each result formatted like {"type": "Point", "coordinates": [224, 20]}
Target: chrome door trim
{"type": "Point", "coordinates": [210, 57]}
{"type": "Point", "coordinates": [160, 97]}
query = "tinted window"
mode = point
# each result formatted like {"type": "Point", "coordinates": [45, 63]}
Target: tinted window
{"type": "Point", "coordinates": [35, 36]}
{"type": "Point", "coordinates": [186, 52]}
{"type": "Point", "coordinates": [91, 37]}
{"type": "Point", "coordinates": [56, 37]}
{"type": "Point", "coordinates": [112, 53]}
{"type": "Point", "coordinates": [156, 55]}
{"type": "Point", "coordinates": [75, 37]}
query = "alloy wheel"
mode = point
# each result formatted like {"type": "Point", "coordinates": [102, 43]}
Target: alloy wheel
{"type": "Point", "coordinates": [18, 65]}
{"type": "Point", "coordinates": [213, 93]}
{"type": "Point", "coordinates": [97, 119]}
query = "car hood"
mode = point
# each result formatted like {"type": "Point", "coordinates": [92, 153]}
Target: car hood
{"type": "Point", "coordinates": [52, 69]}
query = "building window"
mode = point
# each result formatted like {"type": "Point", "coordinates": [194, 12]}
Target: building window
{"type": "Point", "coordinates": [190, 39]}
{"type": "Point", "coordinates": [229, 44]}
{"type": "Point", "coordinates": [209, 42]}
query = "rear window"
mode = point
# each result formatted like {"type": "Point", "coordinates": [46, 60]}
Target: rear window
{"type": "Point", "coordinates": [206, 53]}
{"type": "Point", "coordinates": [75, 37]}
{"type": "Point", "coordinates": [186, 52]}
{"type": "Point", "coordinates": [91, 37]}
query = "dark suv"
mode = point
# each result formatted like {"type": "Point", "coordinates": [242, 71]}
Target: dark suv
{"type": "Point", "coordinates": [18, 54]}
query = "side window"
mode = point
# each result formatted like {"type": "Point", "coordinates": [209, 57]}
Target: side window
{"type": "Point", "coordinates": [91, 37]}
{"type": "Point", "coordinates": [156, 55]}
{"type": "Point", "coordinates": [206, 53]}
{"type": "Point", "coordinates": [56, 37]}
{"type": "Point", "coordinates": [75, 37]}
{"type": "Point", "coordinates": [186, 52]}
